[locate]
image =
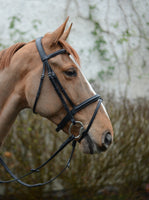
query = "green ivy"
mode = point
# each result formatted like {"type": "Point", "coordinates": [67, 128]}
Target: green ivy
{"type": "Point", "coordinates": [105, 74]}
{"type": "Point", "coordinates": [17, 35]}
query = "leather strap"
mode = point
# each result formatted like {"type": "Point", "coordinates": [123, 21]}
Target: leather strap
{"type": "Point", "coordinates": [18, 179]}
{"type": "Point", "coordinates": [44, 57]}
{"type": "Point", "coordinates": [52, 77]}
{"type": "Point", "coordinates": [39, 89]}
{"type": "Point", "coordinates": [91, 121]}
{"type": "Point", "coordinates": [76, 109]}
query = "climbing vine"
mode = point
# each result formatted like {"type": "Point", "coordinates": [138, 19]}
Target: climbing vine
{"type": "Point", "coordinates": [120, 33]}
{"type": "Point", "coordinates": [100, 45]}
{"type": "Point", "coordinates": [120, 40]}
{"type": "Point", "coordinates": [15, 33]}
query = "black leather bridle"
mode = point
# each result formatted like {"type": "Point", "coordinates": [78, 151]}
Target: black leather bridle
{"type": "Point", "coordinates": [68, 118]}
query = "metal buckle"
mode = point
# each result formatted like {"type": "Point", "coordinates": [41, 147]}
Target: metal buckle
{"type": "Point", "coordinates": [51, 74]}
{"type": "Point", "coordinates": [77, 123]}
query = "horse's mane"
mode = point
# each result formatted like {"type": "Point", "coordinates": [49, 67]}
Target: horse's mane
{"type": "Point", "coordinates": [6, 54]}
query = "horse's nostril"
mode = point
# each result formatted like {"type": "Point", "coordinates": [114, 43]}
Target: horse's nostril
{"type": "Point", "coordinates": [106, 140]}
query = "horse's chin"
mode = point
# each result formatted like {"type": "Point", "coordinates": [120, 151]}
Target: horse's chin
{"type": "Point", "coordinates": [87, 146]}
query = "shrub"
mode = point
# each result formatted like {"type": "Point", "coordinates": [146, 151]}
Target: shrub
{"type": "Point", "coordinates": [123, 169]}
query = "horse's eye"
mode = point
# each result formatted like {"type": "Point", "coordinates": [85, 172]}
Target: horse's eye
{"type": "Point", "coordinates": [71, 73]}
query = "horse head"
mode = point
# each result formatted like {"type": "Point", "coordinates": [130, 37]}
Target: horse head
{"type": "Point", "coordinates": [66, 66]}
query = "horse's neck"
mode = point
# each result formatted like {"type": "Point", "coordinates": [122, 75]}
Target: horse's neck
{"type": "Point", "coordinates": [9, 101]}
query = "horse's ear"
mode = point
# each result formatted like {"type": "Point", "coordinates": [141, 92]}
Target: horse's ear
{"type": "Point", "coordinates": [66, 33]}
{"type": "Point", "coordinates": [55, 36]}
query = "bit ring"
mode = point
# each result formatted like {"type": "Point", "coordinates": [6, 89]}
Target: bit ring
{"type": "Point", "coordinates": [80, 131]}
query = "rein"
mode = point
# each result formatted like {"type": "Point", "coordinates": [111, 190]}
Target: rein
{"type": "Point", "coordinates": [18, 179]}
{"type": "Point", "coordinates": [69, 117]}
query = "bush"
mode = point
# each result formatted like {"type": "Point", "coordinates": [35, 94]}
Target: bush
{"type": "Point", "coordinates": [122, 172]}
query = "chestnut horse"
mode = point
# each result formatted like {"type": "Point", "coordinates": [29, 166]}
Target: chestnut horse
{"type": "Point", "coordinates": [20, 71]}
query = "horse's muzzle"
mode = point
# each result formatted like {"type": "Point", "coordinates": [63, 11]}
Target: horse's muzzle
{"type": "Point", "coordinates": [90, 147]}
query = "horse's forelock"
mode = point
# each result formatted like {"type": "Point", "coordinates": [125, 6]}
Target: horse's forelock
{"type": "Point", "coordinates": [70, 50]}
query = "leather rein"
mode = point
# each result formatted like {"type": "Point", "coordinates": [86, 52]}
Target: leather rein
{"type": "Point", "coordinates": [69, 117]}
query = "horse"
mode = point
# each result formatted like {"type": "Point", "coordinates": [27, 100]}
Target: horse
{"type": "Point", "coordinates": [71, 103]}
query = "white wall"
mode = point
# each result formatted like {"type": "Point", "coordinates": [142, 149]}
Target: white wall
{"type": "Point", "coordinates": [125, 26]}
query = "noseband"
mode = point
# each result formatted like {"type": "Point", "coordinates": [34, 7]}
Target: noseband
{"type": "Point", "coordinates": [68, 118]}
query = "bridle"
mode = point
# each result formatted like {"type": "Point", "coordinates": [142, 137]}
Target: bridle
{"type": "Point", "coordinates": [68, 118]}
{"type": "Point", "coordinates": [60, 90]}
